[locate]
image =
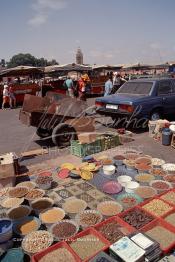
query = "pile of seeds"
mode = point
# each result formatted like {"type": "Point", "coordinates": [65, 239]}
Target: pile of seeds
{"type": "Point", "coordinates": [157, 207]}
{"type": "Point", "coordinates": [37, 241]}
{"type": "Point", "coordinates": [87, 246]}
{"type": "Point", "coordinates": [18, 191]}
{"type": "Point", "coordinates": [52, 215]}
{"type": "Point", "coordinates": [34, 194]}
{"type": "Point", "coordinates": [144, 178]}
{"type": "Point", "coordinates": [137, 218]}
{"type": "Point", "coordinates": [160, 185]}
{"type": "Point", "coordinates": [27, 226]}
{"type": "Point", "coordinates": [74, 206]}
{"type": "Point", "coordinates": [58, 255]}
{"type": "Point", "coordinates": [11, 202]}
{"type": "Point", "coordinates": [170, 197]}
{"type": "Point", "coordinates": [4, 191]}
{"type": "Point", "coordinates": [29, 184]}
{"type": "Point", "coordinates": [64, 229]}
{"type": "Point", "coordinates": [109, 208]}
{"type": "Point", "coordinates": [43, 180]}
{"type": "Point", "coordinates": [163, 236]}
{"type": "Point", "coordinates": [89, 218]}
{"type": "Point", "coordinates": [171, 219]}
{"type": "Point", "coordinates": [19, 212]}
{"type": "Point", "coordinates": [111, 231]}
{"type": "Point", "coordinates": [42, 203]}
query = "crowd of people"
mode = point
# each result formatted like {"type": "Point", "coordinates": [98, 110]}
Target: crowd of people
{"type": "Point", "coordinates": [8, 97]}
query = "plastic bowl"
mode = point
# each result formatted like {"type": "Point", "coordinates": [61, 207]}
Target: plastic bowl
{"type": "Point", "coordinates": [19, 209]}
{"type": "Point", "coordinates": [109, 170]}
{"type": "Point", "coordinates": [47, 200]}
{"type": "Point", "coordinates": [26, 220]}
{"type": "Point", "coordinates": [118, 208]}
{"type": "Point", "coordinates": [123, 180]}
{"type": "Point", "coordinates": [57, 238]}
{"type": "Point", "coordinates": [131, 186]}
{"type": "Point", "coordinates": [6, 230]}
{"type": "Point", "coordinates": [29, 184]}
{"type": "Point", "coordinates": [48, 224]}
{"type": "Point", "coordinates": [84, 225]}
{"type": "Point", "coordinates": [160, 190]}
{"type": "Point", "coordinates": [70, 206]}
{"type": "Point", "coordinates": [35, 190]}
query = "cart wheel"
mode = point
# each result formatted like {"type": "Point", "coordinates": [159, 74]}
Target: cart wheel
{"type": "Point", "coordinates": [43, 133]}
{"type": "Point", "coordinates": [63, 134]}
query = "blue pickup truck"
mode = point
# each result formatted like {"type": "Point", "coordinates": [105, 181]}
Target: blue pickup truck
{"type": "Point", "coordinates": [149, 99]}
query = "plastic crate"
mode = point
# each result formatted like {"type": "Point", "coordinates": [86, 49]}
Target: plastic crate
{"type": "Point", "coordinates": [118, 221]}
{"type": "Point", "coordinates": [167, 201]}
{"type": "Point", "coordinates": [162, 223]}
{"type": "Point", "coordinates": [83, 150]}
{"type": "Point", "coordinates": [38, 256]}
{"type": "Point", "coordinates": [86, 232]}
{"type": "Point", "coordinates": [109, 141]}
{"type": "Point", "coordinates": [167, 214]}
{"type": "Point", "coordinates": [121, 215]}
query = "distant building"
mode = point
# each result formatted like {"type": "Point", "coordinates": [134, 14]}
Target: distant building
{"type": "Point", "coordinates": [79, 56]}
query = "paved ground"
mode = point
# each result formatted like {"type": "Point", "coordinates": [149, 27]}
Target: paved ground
{"type": "Point", "coordinates": [19, 138]}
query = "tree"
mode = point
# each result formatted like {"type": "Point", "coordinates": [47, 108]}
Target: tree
{"type": "Point", "coordinates": [29, 60]}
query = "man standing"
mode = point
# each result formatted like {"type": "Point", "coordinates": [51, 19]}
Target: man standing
{"type": "Point", "coordinates": [70, 86]}
{"type": "Point", "coordinates": [108, 87]}
{"type": "Point", "coordinates": [12, 97]}
{"type": "Point", "coordinates": [117, 82]}
{"type": "Point", "coordinates": [5, 96]}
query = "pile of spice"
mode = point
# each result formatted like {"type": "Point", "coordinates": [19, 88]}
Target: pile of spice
{"type": "Point", "coordinates": [129, 200]}
{"type": "Point", "coordinates": [87, 246]}
{"type": "Point", "coordinates": [29, 184]}
{"type": "Point", "coordinates": [89, 218]}
{"type": "Point", "coordinates": [34, 194]}
{"type": "Point", "coordinates": [42, 203]}
{"type": "Point", "coordinates": [65, 229]}
{"type": "Point", "coordinates": [111, 231]}
{"type": "Point", "coordinates": [59, 255]}
{"type": "Point", "coordinates": [143, 167]}
{"type": "Point", "coordinates": [4, 191]}
{"type": "Point", "coordinates": [36, 241]}
{"type": "Point", "coordinates": [27, 226]}
{"type": "Point", "coordinates": [143, 160]}
{"type": "Point", "coordinates": [157, 207]}
{"type": "Point", "coordinates": [170, 197]}
{"type": "Point", "coordinates": [109, 208]}
{"type": "Point", "coordinates": [137, 218]}
{"type": "Point", "coordinates": [144, 178]}
{"type": "Point", "coordinates": [52, 215]}
{"type": "Point", "coordinates": [74, 206]}
{"type": "Point", "coordinates": [170, 178]}
{"type": "Point", "coordinates": [157, 162]}
{"type": "Point", "coordinates": [158, 172]}
{"type": "Point", "coordinates": [145, 191]}
{"type": "Point", "coordinates": [19, 212]}
{"type": "Point", "coordinates": [18, 191]}
{"type": "Point", "coordinates": [11, 202]}
{"type": "Point", "coordinates": [119, 157]}
{"type": "Point", "coordinates": [162, 235]}
{"type": "Point", "coordinates": [44, 180]}
{"type": "Point", "coordinates": [160, 185]}
{"type": "Point", "coordinates": [170, 219]}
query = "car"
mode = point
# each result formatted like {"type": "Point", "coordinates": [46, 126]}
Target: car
{"type": "Point", "coordinates": [139, 100]}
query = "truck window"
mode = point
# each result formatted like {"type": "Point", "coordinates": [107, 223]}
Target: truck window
{"type": "Point", "coordinates": [164, 87]}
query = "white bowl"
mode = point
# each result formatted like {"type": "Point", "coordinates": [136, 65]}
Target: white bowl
{"type": "Point", "coordinates": [131, 186]}
{"type": "Point", "coordinates": [123, 180]}
{"type": "Point", "coordinates": [109, 170]}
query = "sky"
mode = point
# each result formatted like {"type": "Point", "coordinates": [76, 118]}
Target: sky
{"type": "Point", "coordinates": [108, 31]}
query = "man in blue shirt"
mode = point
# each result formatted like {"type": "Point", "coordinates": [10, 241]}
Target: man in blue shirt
{"type": "Point", "coordinates": [108, 87]}
{"type": "Point", "coordinates": [70, 86]}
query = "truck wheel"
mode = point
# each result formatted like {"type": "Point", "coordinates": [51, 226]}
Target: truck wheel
{"type": "Point", "coordinates": [43, 133]}
{"type": "Point", "coordinates": [155, 115]}
{"type": "Point", "coordinates": [63, 134]}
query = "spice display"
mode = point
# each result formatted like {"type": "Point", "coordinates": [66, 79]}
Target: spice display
{"type": "Point", "coordinates": [44, 180]}
{"type": "Point", "coordinates": [170, 178]}
{"type": "Point", "coordinates": [74, 206]}
{"type": "Point", "coordinates": [144, 178]}
{"type": "Point", "coordinates": [29, 184]}
{"type": "Point", "coordinates": [107, 161]}
{"type": "Point", "coordinates": [4, 191]}
{"type": "Point", "coordinates": [158, 172]}
{"type": "Point", "coordinates": [129, 200]}
{"type": "Point", "coordinates": [109, 208]}
{"type": "Point", "coordinates": [18, 191]}
{"type": "Point", "coordinates": [169, 167]}
{"type": "Point", "coordinates": [52, 215]}
{"type": "Point", "coordinates": [170, 219]}
{"type": "Point", "coordinates": [157, 207]}
{"type": "Point", "coordinates": [111, 231]}
{"type": "Point", "coordinates": [19, 212]}
{"type": "Point", "coordinates": [64, 230]}
{"type": "Point", "coordinates": [143, 160]}
{"type": "Point", "coordinates": [89, 218]}
{"type": "Point", "coordinates": [87, 246]}
{"type": "Point", "coordinates": [160, 185]}
{"type": "Point", "coordinates": [37, 241]}
{"type": "Point", "coordinates": [162, 235]}
{"type": "Point", "coordinates": [143, 167]}
{"type": "Point", "coordinates": [170, 197]}
{"type": "Point", "coordinates": [137, 218]}
{"type": "Point", "coordinates": [119, 157]}
{"type": "Point", "coordinates": [27, 226]}
{"type": "Point", "coordinates": [58, 255]}
{"type": "Point", "coordinates": [145, 191]}
{"type": "Point", "coordinates": [157, 162]}
{"type": "Point", "coordinates": [129, 163]}
{"type": "Point", "coordinates": [132, 156]}
{"type": "Point", "coordinates": [42, 203]}
{"type": "Point", "coordinates": [34, 194]}
{"type": "Point", "coordinates": [11, 202]}
{"type": "Point", "coordinates": [112, 187]}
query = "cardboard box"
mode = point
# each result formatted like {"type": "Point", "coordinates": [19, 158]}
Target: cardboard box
{"type": "Point", "coordinates": [85, 138]}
